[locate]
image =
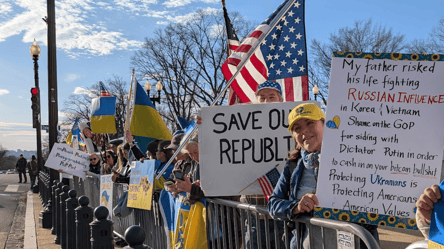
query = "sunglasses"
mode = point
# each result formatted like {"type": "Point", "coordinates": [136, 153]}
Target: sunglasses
{"type": "Point", "coordinates": [108, 156]}
{"type": "Point", "coordinates": [93, 159]}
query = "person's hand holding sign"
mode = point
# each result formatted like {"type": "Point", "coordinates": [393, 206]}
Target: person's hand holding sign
{"type": "Point", "coordinates": [306, 204]}
{"type": "Point", "coordinates": [425, 203]}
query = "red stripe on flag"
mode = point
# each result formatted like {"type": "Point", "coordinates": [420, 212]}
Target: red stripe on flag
{"type": "Point", "coordinates": [265, 187]}
{"type": "Point", "coordinates": [228, 75]}
{"type": "Point", "coordinates": [233, 47]}
{"type": "Point", "coordinates": [249, 79]}
{"type": "Point", "coordinates": [233, 61]}
{"type": "Point", "coordinates": [243, 48]}
{"type": "Point", "coordinates": [256, 34]}
{"type": "Point", "coordinates": [289, 89]}
{"type": "Point", "coordinates": [261, 183]}
{"type": "Point", "coordinates": [305, 93]}
{"type": "Point", "coordinates": [260, 67]}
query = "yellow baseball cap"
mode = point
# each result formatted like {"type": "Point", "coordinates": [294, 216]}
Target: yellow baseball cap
{"type": "Point", "coordinates": [306, 110]}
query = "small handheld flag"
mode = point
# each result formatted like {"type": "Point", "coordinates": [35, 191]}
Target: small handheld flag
{"type": "Point", "coordinates": [269, 181]}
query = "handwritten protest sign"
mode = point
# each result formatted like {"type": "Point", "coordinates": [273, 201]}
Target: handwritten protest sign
{"type": "Point", "coordinates": [239, 144]}
{"type": "Point", "coordinates": [141, 184]}
{"type": "Point", "coordinates": [383, 137]}
{"type": "Point", "coordinates": [69, 160]}
{"type": "Point", "coordinates": [106, 193]}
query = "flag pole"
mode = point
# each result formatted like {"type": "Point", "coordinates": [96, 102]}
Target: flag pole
{"type": "Point", "coordinates": [250, 53]}
{"type": "Point", "coordinates": [128, 107]}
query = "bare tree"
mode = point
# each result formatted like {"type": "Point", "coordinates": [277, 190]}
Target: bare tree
{"type": "Point", "coordinates": [186, 57]}
{"type": "Point", "coordinates": [434, 44]}
{"type": "Point", "coordinates": [363, 36]}
{"type": "Point", "coordinates": [79, 105]}
{"type": "Point", "coordinates": [6, 161]}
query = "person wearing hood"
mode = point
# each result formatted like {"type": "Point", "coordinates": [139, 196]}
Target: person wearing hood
{"type": "Point", "coordinates": [92, 141]}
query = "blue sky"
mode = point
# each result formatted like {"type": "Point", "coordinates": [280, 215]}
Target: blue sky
{"type": "Point", "coordinates": [96, 39]}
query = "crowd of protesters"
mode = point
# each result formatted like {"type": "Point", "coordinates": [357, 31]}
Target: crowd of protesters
{"type": "Point", "coordinates": [294, 195]}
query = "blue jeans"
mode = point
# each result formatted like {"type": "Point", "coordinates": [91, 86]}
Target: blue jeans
{"type": "Point", "coordinates": [32, 177]}
{"type": "Point", "coordinates": [252, 238]}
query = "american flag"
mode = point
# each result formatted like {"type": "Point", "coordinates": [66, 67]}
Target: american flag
{"type": "Point", "coordinates": [281, 56]}
{"type": "Point", "coordinates": [269, 181]}
{"type": "Point", "coordinates": [233, 44]}
{"type": "Point", "coordinates": [103, 91]}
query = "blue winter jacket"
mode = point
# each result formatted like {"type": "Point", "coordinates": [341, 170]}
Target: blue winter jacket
{"type": "Point", "coordinates": [283, 200]}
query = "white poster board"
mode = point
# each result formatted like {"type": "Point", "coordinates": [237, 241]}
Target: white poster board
{"type": "Point", "coordinates": [69, 160]}
{"type": "Point", "coordinates": [238, 144]}
{"type": "Point", "coordinates": [383, 138]}
{"type": "Point", "coordinates": [106, 193]}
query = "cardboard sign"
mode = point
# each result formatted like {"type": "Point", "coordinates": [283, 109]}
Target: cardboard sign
{"type": "Point", "coordinates": [238, 144]}
{"type": "Point", "coordinates": [106, 193]}
{"type": "Point", "coordinates": [140, 189]}
{"type": "Point", "coordinates": [383, 137]}
{"type": "Point", "coordinates": [69, 160]}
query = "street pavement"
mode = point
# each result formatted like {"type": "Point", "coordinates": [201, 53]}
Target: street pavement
{"type": "Point", "coordinates": [12, 210]}
{"type": "Point", "coordinates": [20, 209]}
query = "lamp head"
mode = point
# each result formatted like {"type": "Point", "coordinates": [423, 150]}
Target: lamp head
{"type": "Point", "coordinates": [159, 86]}
{"type": "Point", "coordinates": [147, 85]}
{"type": "Point", "coordinates": [315, 90]}
{"type": "Point", "coordinates": [35, 50]}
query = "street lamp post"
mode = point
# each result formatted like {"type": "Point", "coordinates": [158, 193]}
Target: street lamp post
{"type": "Point", "coordinates": [35, 54]}
{"type": "Point", "coordinates": [159, 88]}
{"type": "Point", "coordinates": [315, 91]}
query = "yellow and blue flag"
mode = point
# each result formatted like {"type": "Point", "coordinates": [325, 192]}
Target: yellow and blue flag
{"type": "Point", "coordinates": [74, 135]}
{"type": "Point", "coordinates": [103, 111]}
{"type": "Point", "coordinates": [436, 233]}
{"type": "Point", "coordinates": [184, 222]}
{"type": "Point", "coordinates": [145, 120]}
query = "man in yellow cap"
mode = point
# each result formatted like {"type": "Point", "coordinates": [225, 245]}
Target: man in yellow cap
{"type": "Point", "coordinates": [295, 192]}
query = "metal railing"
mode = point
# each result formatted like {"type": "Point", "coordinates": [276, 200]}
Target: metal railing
{"type": "Point", "coordinates": [230, 224]}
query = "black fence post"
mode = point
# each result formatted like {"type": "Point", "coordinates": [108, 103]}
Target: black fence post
{"type": "Point", "coordinates": [57, 216]}
{"type": "Point", "coordinates": [54, 206]}
{"type": "Point", "coordinates": [45, 216]}
{"type": "Point", "coordinates": [84, 216]}
{"type": "Point", "coordinates": [135, 236]}
{"type": "Point", "coordinates": [101, 230]}
{"type": "Point", "coordinates": [71, 204]}
{"type": "Point", "coordinates": [63, 197]}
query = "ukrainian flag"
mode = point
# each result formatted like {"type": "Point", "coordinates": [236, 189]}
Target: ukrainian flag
{"type": "Point", "coordinates": [145, 120]}
{"type": "Point", "coordinates": [74, 134]}
{"type": "Point", "coordinates": [103, 111]}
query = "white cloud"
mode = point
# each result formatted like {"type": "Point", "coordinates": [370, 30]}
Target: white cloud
{"type": "Point", "coordinates": [217, 30]}
{"type": "Point", "coordinates": [3, 92]}
{"type": "Point", "coordinates": [162, 22]}
{"type": "Point", "coordinates": [4, 124]}
{"type": "Point", "coordinates": [5, 8]}
{"type": "Point", "coordinates": [190, 16]}
{"type": "Point", "coordinates": [63, 114]}
{"type": "Point", "coordinates": [18, 133]}
{"type": "Point", "coordinates": [176, 3]}
{"type": "Point", "coordinates": [179, 3]}
{"type": "Point", "coordinates": [76, 33]}
{"type": "Point", "coordinates": [72, 77]}
{"type": "Point", "coordinates": [80, 91]}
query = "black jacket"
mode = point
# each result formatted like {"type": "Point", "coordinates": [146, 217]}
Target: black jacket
{"type": "Point", "coordinates": [21, 164]}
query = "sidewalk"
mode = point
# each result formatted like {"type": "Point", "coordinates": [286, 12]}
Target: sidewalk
{"type": "Point", "coordinates": [44, 237]}
{"type": "Point", "coordinates": [36, 237]}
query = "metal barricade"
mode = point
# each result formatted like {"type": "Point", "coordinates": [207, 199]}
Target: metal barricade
{"type": "Point", "coordinates": [317, 228]}
{"type": "Point", "coordinates": [230, 224]}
